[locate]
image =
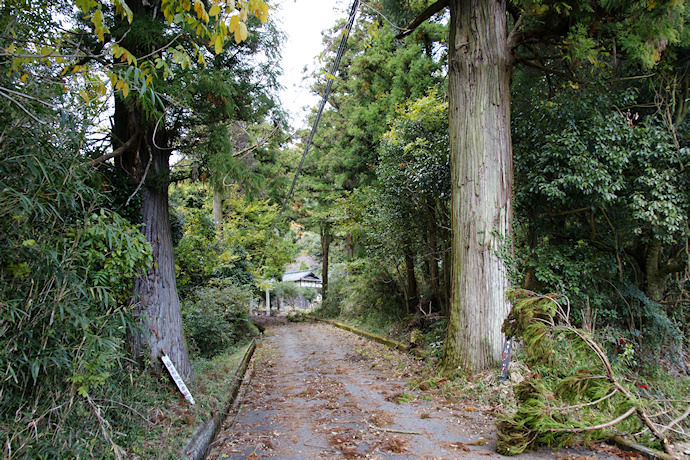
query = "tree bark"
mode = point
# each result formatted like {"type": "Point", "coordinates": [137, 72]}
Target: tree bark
{"type": "Point", "coordinates": [657, 270]}
{"type": "Point", "coordinates": [412, 297]}
{"type": "Point", "coordinates": [155, 293]}
{"type": "Point", "coordinates": [158, 305]}
{"type": "Point", "coordinates": [218, 211]}
{"type": "Point", "coordinates": [433, 252]}
{"type": "Point", "coordinates": [325, 247]}
{"type": "Point", "coordinates": [350, 246]}
{"type": "Point", "coordinates": [481, 166]}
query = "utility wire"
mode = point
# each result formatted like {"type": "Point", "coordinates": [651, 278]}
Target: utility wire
{"type": "Point", "coordinates": [324, 99]}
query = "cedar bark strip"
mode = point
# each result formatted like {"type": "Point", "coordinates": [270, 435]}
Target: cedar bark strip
{"type": "Point", "coordinates": [481, 168]}
{"type": "Point", "coordinates": [157, 290]}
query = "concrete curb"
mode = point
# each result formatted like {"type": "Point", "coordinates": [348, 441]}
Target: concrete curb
{"type": "Point", "coordinates": [377, 338]}
{"type": "Point", "coordinates": [197, 447]}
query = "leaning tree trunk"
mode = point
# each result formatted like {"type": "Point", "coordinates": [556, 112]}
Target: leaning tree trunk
{"type": "Point", "coordinates": [481, 168]}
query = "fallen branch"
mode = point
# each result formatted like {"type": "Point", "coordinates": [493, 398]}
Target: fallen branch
{"type": "Point", "coordinates": [597, 427]}
{"type": "Point", "coordinates": [612, 378]}
{"type": "Point", "coordinates": [391, 430]}
{"type": "Point", "coordinates": [676, 421]}
{"type": "Point", "coordinates": [592, 403]}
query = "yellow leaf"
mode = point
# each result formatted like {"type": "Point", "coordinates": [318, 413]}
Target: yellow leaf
{"type": "Point", "coordinates": [198, 30]}
{"type": "Point", "coordinates": [24, 77]}
{"type": "Point", "coordinates": [243, 14]}
{"type": "Point", "coordinates": [263, 15]}
{"type": "Point", "coordinates": [199, 9]}
{"type": "Point", "coordinates": [215, 9]}
{"type": "Point", "coordinates": [230, 4]}
{"type": "Point", "coordinates": [218, 43]}
{"type": "Point", "coordinates": [125, 90]}
{"type": "Point", "coordinates": [243, 31]}
{"type": "Point", "coordinates": [85, 96]}
{"type": "Point", "coordinates": [234, 22]}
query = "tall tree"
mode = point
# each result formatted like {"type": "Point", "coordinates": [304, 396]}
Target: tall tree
{"type": "Point", "coordinates": [378, 73]}
{"type": "Point", "coordinates": [482, 51]}
{"type": "Point", "coordinates": [145, 141]}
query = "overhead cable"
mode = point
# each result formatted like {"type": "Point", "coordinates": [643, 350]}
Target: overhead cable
{"type": "Point", "coordinates": [324, 99]}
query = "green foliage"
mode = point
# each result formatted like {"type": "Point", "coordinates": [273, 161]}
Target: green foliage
{"type": "Point", "coordinates": [290, 290]}
{"type": "Point", "coordinates": [602, 201]}
{"type": "Point", "coordinates": [216, 318]}
{"type": "Point", "coordinates": [249, 224]}
{"type": "Point", "coordinates": [413, 176]}
{"type": "Point", "coordinates": [407, 211]}
{"type": "Point", "coordinates": [65, 274]}
{"type": "Point", "coordinates": [286, 289]}
{"type": "Point", "coordinates": [196, 254]}
{"type": "Point", "coordinates": [365, 292]}
{"type": "Point", "coordinates": [246, 249]}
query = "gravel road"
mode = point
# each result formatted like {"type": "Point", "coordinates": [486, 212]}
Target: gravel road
{"type": "Point", "coordinates": [315, 391]}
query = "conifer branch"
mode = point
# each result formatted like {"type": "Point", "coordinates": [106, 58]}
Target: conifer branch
{"type": "Point", "coordinates": [424, 15]}
{"type": "Point", "coordinates": [118, 151]}
{"type": "Point", "coordinates": [591, 403]}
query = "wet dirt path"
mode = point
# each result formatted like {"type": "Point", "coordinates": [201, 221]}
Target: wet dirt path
{"type": "Point", "coordinates": [316, 391]}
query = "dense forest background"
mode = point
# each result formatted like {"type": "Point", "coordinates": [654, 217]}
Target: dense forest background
{"type": "Point", "coordinates": [145, 161]}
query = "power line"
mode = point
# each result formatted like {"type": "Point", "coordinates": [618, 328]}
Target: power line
{"type": "Point", "coordinates": [324, 99]}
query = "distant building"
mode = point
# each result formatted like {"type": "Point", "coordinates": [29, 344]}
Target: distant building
{"type": "Point", "coordinates": [303, 278]}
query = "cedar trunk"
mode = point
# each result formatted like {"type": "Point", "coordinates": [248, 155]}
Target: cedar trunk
{"type": "Point", "coordinates": [412, 297]}
{"type": "Point", "coordinates": [481, 168]}
{"type": "Point", "coordinates": [155, 293]}
{"type": "Point", "coordinates": [325, 248]}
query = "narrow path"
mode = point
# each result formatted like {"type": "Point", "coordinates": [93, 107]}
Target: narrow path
{"type": "Point", "coordinates": [319, 392]}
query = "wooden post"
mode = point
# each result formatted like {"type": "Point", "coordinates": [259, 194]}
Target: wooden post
{"type": "Point", "coordinates": [268, 303]}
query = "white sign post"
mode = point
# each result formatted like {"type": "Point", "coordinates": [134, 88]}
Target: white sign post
{"type": "Point", "coordinates": [178, 380]}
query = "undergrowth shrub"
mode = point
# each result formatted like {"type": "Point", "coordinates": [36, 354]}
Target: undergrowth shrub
{"type": "Point", "coordinates": [65, 274]}
{"type": "Point", "coordinates": [216, 317]}
{"type": "Point", "coordinates": [365, 292]}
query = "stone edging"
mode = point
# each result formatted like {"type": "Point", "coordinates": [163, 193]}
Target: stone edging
{"type": "Point", "coordinates": [197, 447]}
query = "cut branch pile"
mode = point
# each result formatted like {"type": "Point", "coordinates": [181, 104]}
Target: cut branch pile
{"type": "Point", "coordinates": [574, 393]}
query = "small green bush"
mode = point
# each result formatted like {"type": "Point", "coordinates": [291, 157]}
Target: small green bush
{"type": "Point", "coordinates": [217, 317]}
